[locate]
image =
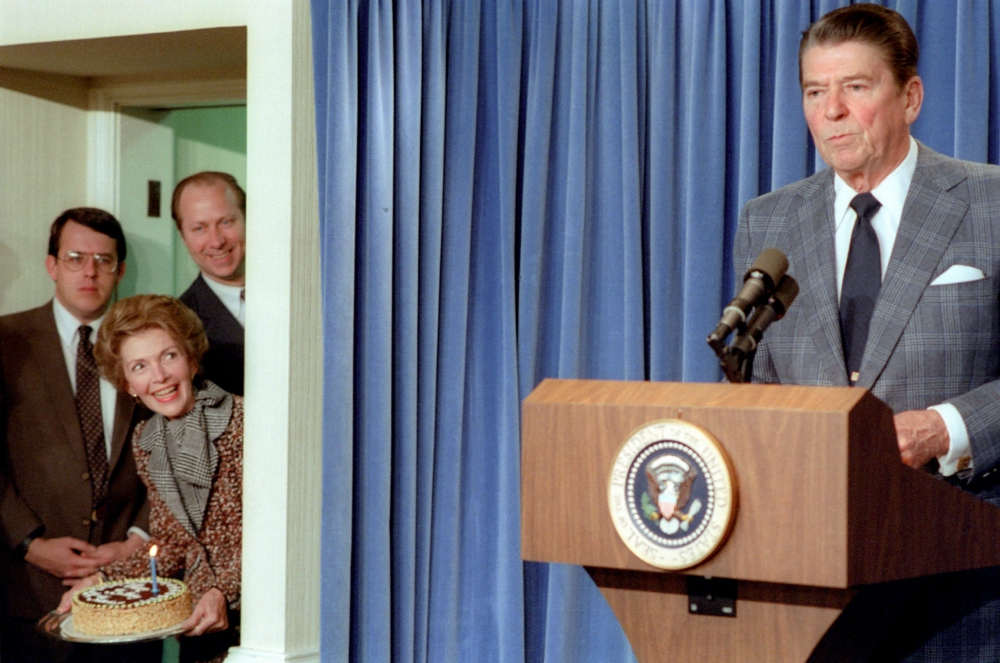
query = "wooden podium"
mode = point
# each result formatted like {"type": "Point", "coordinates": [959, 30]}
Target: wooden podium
{"type": "Point", "coordinates": [825, 507]}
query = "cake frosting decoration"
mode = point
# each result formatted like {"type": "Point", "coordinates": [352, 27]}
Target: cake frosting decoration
{"type": "Point", "coordinates": [122, 607]}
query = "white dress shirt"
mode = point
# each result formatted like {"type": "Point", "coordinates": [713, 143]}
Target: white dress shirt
{"type": "Point", "coordinates": [69, 335]}
{"type": "Point", "coordinates": [231, 297]}
{"type": "Point", "coordinates": [891, 192]}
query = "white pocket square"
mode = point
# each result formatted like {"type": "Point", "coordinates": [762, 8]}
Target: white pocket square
{"type": "Point", "coordinates": [959, 274]}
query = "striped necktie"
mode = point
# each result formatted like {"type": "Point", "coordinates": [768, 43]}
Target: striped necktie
{"type": "Point", "coordinates": [88, 409]}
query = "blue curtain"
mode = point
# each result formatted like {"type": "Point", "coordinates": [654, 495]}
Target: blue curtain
{"type": "Point", "coordinates": [518, 189]}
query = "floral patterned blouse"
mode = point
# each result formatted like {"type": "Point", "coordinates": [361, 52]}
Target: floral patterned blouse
{"type": "Point", "coordinates": [212, 559]}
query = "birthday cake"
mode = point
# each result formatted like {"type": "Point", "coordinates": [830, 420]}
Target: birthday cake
{"type": "Point", "coordinates": [122, 607]}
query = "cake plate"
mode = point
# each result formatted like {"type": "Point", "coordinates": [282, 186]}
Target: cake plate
{"type": "Point", "coordinates": [60, 625]}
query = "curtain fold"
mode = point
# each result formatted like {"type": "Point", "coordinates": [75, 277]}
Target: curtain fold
{"type": "Point", "coordinates": [335, 65]}
{"type": "Point", "coordinates": [519, 189]}
{"type": "Point", "coordinates": [411, 497]}
{"type": "Point", "coordinates": [580, 290]}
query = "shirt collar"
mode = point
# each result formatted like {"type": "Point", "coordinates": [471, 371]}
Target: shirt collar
{"type": "Point", "coordinates": [229, 295]}
{"type": "Point", "coordinates": [891, 191]}
{"type": "Point", "coordinates": [67, 325]}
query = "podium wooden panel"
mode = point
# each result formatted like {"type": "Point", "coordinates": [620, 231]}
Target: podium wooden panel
{"type": "Point", "coordinates": [825, 506]}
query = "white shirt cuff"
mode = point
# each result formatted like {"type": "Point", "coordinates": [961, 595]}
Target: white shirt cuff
{"type": "Point", "coordinates": [138, 530]}
{"type": "Point", "coordinates": [959, 454]}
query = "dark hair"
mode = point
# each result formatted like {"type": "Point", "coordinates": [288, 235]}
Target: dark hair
{"type": "Point", "coordinates": [871, 24]}
{"type": "Point", "coordinates": [207, 178]}
{"type": "Point", "coordinates": [139, 313]}
{"type": "Point", "coordinates": [93, 218]}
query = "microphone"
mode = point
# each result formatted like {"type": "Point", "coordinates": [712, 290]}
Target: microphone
{"type": "Point", "coordinates": [758, 283]}
{"type": "Point", "coordinates": [765, 314]}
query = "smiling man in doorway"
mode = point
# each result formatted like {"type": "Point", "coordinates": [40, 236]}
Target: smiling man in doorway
{"type": "Point", "coordinates": [209, 209]}
{"type": "Point", "coordinates": [897, 252]}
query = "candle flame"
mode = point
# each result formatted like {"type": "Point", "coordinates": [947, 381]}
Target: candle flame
{"type": "Point", "coordinates": [152, 551]}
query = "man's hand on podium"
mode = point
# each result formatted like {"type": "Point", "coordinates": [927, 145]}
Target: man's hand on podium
{"type": "Point", "coordinates": [922, 435]}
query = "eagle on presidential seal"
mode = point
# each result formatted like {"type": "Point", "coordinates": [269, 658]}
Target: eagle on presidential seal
{"type": "Point", "coordinates": [670, 479]}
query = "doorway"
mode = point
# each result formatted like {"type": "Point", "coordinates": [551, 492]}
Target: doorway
{"type": "Point", "coordinates": [89, 114]}
{"type": "Point", "coordinates": [158, 147]}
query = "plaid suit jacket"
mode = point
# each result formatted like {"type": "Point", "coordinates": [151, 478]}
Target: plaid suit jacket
{"type": "Point", "coordinates": [927, 344]}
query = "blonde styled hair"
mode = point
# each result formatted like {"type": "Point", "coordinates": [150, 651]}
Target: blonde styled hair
{"type": "Point", "coordinates": [139, 313]}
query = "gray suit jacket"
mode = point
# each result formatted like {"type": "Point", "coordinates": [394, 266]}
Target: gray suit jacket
{"type": "Point", "coordinates": [43, 461]}
{"type": "Point", "coordinates": [927, 344]}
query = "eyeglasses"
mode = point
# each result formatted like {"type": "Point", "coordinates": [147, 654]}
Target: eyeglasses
{"type": "Point", "coordinates": [75, 261]}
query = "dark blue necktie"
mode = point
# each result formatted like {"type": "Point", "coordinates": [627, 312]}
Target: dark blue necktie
{"type": "Point", "coordinates": [862, 281]}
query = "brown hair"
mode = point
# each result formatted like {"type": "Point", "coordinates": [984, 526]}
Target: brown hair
{"type": "Point", "coordinates": [139, 313]}
{"type": "Point", "coordinates": [96, 219]}
{"type": "Point", "coordinates": [207, 178]}
{"type": "Point", "coordinates": [871, 24]}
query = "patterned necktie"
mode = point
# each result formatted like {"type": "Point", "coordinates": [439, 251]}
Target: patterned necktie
{"type": "Point", "coordinates": [88, 409]}
{"type": "Point", "coordinates": [862, 282]}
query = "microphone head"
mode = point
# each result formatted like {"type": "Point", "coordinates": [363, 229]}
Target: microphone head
{"type": "Point", "coordinates": [771, 264]}
{"type": "Point", "coordinates": [784, 295]}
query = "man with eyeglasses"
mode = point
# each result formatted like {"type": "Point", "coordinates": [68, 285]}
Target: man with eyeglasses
{"type": "Point", "coordinates": [70, 499]}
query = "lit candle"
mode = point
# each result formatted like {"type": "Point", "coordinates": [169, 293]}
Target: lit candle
{"type": "Point", "coordinates": [152, 568]}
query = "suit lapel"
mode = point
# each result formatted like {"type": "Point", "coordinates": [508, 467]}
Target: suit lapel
{"type": "Point", "coordinates": [812, 234]}
{"type": "Point", "coordinates": [124, 409]}
{"type": "Point", "coordinates": [931, 215]}
{"type": "Point", "coordinates": [214, 314]}
{"type": "Point", "coordinates": [46, 348]}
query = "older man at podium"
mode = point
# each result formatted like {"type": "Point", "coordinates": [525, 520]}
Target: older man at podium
{"type": "Point", "coordinates": [897, 252]}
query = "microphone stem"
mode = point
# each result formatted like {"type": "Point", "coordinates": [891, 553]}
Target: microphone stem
{"type": "Point", "coordinates": [731, 365]}
{"type": "Point", "coordinates": [746, 367]}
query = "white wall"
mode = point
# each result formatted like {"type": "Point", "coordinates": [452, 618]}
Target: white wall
{"type": "Point", "coordinates": [42, 172]}
{"type": "Point", "coordinates": [282, 443]}
{"type": "Point", "coordinates": [56, 20]}
{"type": "Point", "coordinates": [147, 153]}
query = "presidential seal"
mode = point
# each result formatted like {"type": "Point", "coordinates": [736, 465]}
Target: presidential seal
{"type": "Point", "coordinates": [672, 494]}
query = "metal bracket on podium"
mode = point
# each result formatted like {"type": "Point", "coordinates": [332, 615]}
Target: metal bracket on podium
{"type": "Point", "coordinates": [711, 596]}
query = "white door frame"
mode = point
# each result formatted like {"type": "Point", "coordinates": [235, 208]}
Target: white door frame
{"type": "Point", "coordinates": [104, 121]}
{"type": "Point", "coordinates": [281, 523]}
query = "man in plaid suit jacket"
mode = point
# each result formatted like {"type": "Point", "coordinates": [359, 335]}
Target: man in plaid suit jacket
{"type": "Point", "coordinates": [933, 343]}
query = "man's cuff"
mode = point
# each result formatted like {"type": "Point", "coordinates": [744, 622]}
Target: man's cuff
{"type": "Point", "coordinates": [959, 456]}
{"type": "Point", "coordinates": [142, 533]}
{"type": "Point", "coordinates": [22, 549]}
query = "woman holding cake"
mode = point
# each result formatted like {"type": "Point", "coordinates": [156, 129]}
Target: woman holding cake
{"type": "Point", "coordinates": [189, 455]}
